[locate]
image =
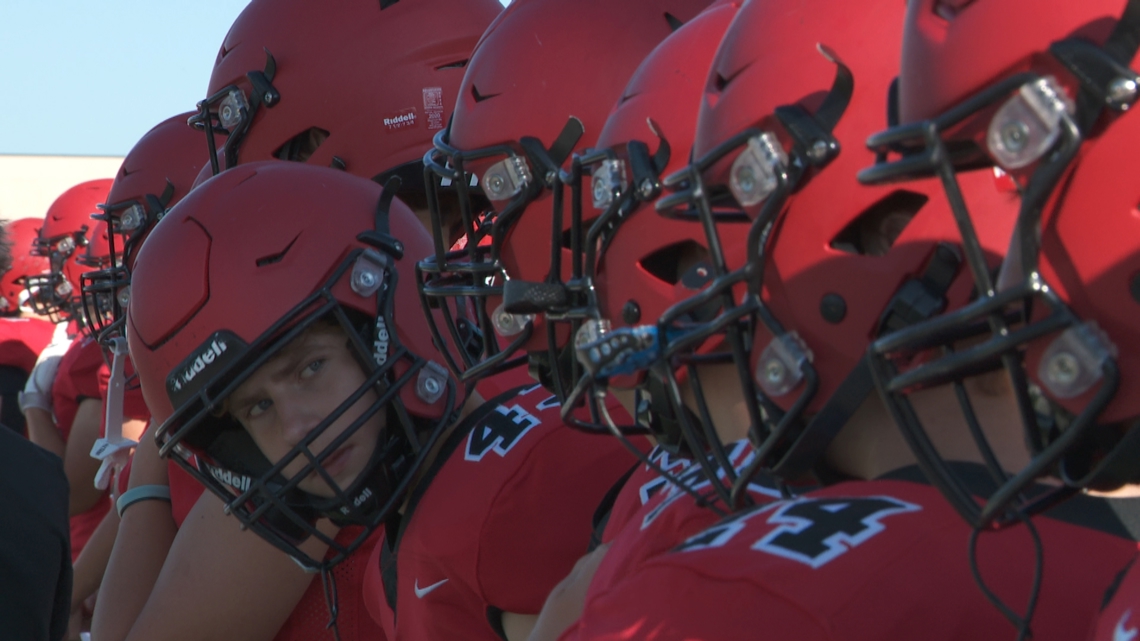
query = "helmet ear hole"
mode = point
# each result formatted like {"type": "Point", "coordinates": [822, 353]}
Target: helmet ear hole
{"type": "Point", "coordinates": [670, 263]}
{"type": "Point", "coordinates": [301, 147]}
{"type": "Point", "coordinates": [874, 231]}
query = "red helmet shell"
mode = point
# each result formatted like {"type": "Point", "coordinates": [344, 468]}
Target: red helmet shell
{"type": "Point", "coordinates": [171, 153]}
{"type": "Point", "coordinates": [69, 217]}
{"type": "Point", "coordinates": [97, 253]}
{"type": "Point", "coordinates": [1088, 253]}
{"type": "Point", "coordinates": [379, 78]}
{"type": "Point", "coordinates": [769, 58]}
{"type": "Point", "coordinates": [541, 63]}
{"type": "Point", "coordinates": [241, 251]}
{"type": "Point", "coordinates": [1090, 256]}
{"type": "Point", "coordinates": [20, 234]}
{"type": "Point", "coordinates": [948, 55]}
{"type": "Point", "coordinates": [666, 89]}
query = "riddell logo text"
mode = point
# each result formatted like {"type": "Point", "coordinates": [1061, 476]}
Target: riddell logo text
{"type": "Point", "coordinates": [380, 343]}
{"type": "Point", "coordinates": [358, 501]}
{"type": "Point", "coordinates": [239, 482]}
{"type": "Point", "coordinates": [401, 120]}
{"type": "Point", "coordinates": [215, 349]}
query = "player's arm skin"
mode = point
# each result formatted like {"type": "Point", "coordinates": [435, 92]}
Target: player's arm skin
{"type": "Point", "coordinates": [216, 582]}
{"type": "Point", "coordinates": [78, 465]}
{"type": "Point", "coordinates": [564, 605]}
{"type": "Point", "coordinates": [42, 430]}
{"type": "Point", "coordinates": [90, 567]}
{"type": "Point", "coordinates": [145, 535]}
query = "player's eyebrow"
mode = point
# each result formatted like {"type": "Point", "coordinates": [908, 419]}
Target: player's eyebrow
{"type": "Point", "coordinates": [278, 367]}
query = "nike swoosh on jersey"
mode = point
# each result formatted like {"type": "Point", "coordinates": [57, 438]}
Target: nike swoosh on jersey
{"type": "Point", "coordinates": [1120, 634]}
{"type": "Point", "coordinates": [422, 592]}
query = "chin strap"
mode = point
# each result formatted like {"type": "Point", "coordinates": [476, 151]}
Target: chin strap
{"type": "Point", "coordinates": [114, 450]}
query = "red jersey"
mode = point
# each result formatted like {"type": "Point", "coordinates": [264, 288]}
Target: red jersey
{"type": "Point", "coordinates": [1120, 620]}
{"type": "Point", "coordinates": [310, 617]}
{"type": "Point", "coordinates": [499, 519]}
{"type": "Point", "coordinates": [22, 340]}
{"type": "Point", "coordinates": [883, 559]}
{"type": "Point", "coordinates": [670, 515]}
{"type": "Point", "coordinates": [78, 379]}
{"type": "Point", "coordinates": [636, 490]}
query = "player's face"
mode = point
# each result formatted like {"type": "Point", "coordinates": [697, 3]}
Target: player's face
{"type": "Point", "coordinates": [290, 395]}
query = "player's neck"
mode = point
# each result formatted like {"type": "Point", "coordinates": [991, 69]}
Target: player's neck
{"type": "Point", "coordinates": [871, 444]}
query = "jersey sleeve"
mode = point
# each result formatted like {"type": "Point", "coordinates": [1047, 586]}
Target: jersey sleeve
{"type": "Point", "coordinates": [559, 488]}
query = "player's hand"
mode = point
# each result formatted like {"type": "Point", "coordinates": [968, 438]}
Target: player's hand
{"type": "Point", "coordinates": [567, 600]}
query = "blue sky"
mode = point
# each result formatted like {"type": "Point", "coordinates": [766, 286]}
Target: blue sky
{"type": "Point", "coordinates": [83, 77]}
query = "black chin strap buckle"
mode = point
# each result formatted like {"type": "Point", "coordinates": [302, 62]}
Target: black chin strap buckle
{"type": "Point", "coordinates": [522, 297]}
{"type": "Point", "coordinates": [381, 238]}
{"type": "Point", "coordinates": [262, 82]}
{"type": "Point", "coordinates": [924, 297]}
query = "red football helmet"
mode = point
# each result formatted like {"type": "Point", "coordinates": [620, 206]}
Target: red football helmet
{"type": "Point", "coordinates": [539, 87]}
{"type": "Point", "coordinates": [65, 232]}
{"type": "Point", "coordinates": [245, 263]}
{"type": "Point", "coordinates": [358, 85]}
{"type": "Point", "coordinates": [156, 173]}
{"type": "Point", "coordinates": [626, 263]}
{"type": "Point", "coordinates": [20, 235]}
{"type": "Point", "coordinates": [1048, 103]}
{"type": "Point", "coordinates": [827, 264]}
{"type": "Point", "coordinates": [98, 302]}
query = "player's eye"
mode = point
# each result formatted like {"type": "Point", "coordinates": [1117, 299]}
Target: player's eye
{"type": "Point", "coordinates": [312, 368]}
{"type": "Point", "coordinates": [258, 408]}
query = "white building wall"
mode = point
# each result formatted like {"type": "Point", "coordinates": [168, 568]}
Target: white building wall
{"type": "Point", "coordinates": [29, 184]}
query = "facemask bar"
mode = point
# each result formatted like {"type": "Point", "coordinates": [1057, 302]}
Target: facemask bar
{"type": "Point", "coordinates": [51, 294]}
{"type": "Point", "coordinates": [993, 312]}
{"type": "Point", "coordinates": [270, 504]}
{"type": "Point", "coordinates": [231, 111]}
{"type": "Point", "coordinates": [105, 296]}
{"type": "Point", "coordinates": [106, 292]}
{"type": "Point", "coordinates": [475, 273]}
{"type": "Point", "coordinates": [611, 172]}
{"type": "Point", "coordinates": [770, 426]}
{"type": "Point", "coordinates": [471, 274]}
{"type": "Point", "coordinates": [133, 219]}
{"type": "Point", "coordinates": [1022, 286]}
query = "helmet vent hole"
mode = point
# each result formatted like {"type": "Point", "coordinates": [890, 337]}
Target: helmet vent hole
{"type": "Point", "coordinates": [670, 263]}
{"type": "Point", "coordinates": [300, 147]}
{"type": "Point", "coordinates": [675, 23]}
{"type": "Point", "coordinates": [721, 82]}
{"type": "Point", "coordinates": [875, 231]}
{"type": "Point", "coordinates": [458, 64]}
{"type": "Point", "coordinates": [480, 97]}
{"type": "Point", "coordinates": [276, 258]}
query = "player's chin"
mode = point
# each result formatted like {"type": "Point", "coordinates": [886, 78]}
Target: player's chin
{"type": "Point", "coordinates": [343, 467]}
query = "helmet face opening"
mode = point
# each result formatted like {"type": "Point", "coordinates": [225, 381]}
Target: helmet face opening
{"type": "Point", "coordinates": [472, 273]}
{"type": "Point", "coordinates": [352, 465]}
{"type": "Point", "coordinates": [240, 383]}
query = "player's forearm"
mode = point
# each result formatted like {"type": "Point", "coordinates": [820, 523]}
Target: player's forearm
{"type": "Point", "coordinates": [42, 431]}
{"type": "Point", "coordinates": [145, 535]}
{"type": "Point", "coordinates": [220, 581]}
{"type": "Point", "coordinates": [92, 562]}
{"type": "Point", "coordinates": [77, 462]}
